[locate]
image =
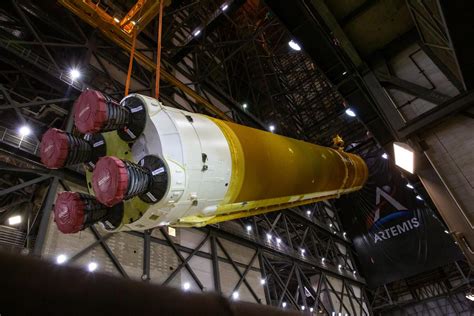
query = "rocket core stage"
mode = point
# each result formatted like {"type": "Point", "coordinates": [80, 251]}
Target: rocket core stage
{"type": "Point", "coordinates": [149, 165]}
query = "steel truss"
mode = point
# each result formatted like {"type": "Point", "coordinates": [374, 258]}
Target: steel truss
{"type": "Point", "coordinates": [438, 292]}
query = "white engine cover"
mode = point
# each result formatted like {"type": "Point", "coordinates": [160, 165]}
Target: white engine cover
{"type": "Point", "coordinates": [198, 159]}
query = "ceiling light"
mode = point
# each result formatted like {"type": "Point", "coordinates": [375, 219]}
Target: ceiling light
{"type": "Point", "coordinates": [294, 45]}
{"type": "Point", "coordinates": [344, 234]}
{"type": "Point", "coordinates": [283, 304]}
{"type": "Point", "coordinates": [248, 228]}
{"type": "Point", "coordinates": [354, 272]}
{"type": "Point", "coordinates": [339, 267]}
{"type": "Point", "coordinates": [244, 105]}
{"type": "Point", "coordinates": [14, 220]}
{"type": "Point", "coordinates": [74, 73]}
{"type": "Point", "coordinates": [24, 131]}
{"type": "Point", "coordinates": [344, 73]}
{"type": "Point", "coordinates": [470, 294]}
{"type": "Point", "coordinates": [92, 266]}
{"type": "Point", "coordinates": [269, 236]}
{"type": "Point", "coordinates": [311, 309]}
{"type": "Point", "coordinates": [278, 240]}
{"type": "Point", "coordinates": [60, 259]}
{"type": "Point", "coordinates": [224, 7]}
{"type": "Point", "coordinates": [186, 286]}
{"type": "Point", "coordinates": [271, 128]}
{"type": "Point", "coordinates": [384, 156]}
{"type": "Point", "coordinates": [419, 198]}
{"type": "Point", "coordinates": [323, 260]}
{"type": "Point", "coordinates": [197, 32]}
{"type": "Point", "coordinates": [330, 225]}
{"type": "Point", "coordinates": [350, 112]}
{"type": "Point", "coordinates": [410, 186]}
{"type": "Point", "coordinates": [116, 20]}
{"type": "Point", "coordinates": [235, 295]}
{"type": "Point", "coordinates": [303, 251]}
{"type": "Point", "coordinates": [308, 212]}
{"type": "Point", "coordinates": [134, 23]}
{"type": "Point", "coordinates": [263, 281]}
{"type": "Point", "coordinates": [303, 307]}
{"type": "Point", "coordinates": [446, 231]}
{"type": "Point", "coordinates": [404, 156]}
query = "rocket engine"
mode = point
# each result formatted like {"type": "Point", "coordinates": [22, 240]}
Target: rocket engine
{"type": "Point", "coordinates": [149, 165]}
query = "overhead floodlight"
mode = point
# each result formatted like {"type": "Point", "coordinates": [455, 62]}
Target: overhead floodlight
{"type": "Point", "coordinates": [134, 23]}
{"type": "Point", "coordinates": [384, 156]}
{"type": "Point", "coordinates": [74, 74]}
{"type": "Point", "coordinates": [92, 266]}
{"type": "Point", "coordinates": [303, 307]}
{"type": "Point", "coordinates": [311, 309]}
{"type": "Point", "coordinates": [14, 220]}
{"type": "Point", "coordinates": [248, 228]}
{"type": "Point", "coordinates": [60, 259]}
{"type": "Point", "coordinates": [278, 240]}
{"type": "Point", "coordinates": [283, 304]}
{"type": "Point", "coordinates": [330, 225]}
{"type": "Point", "coordinates": [235, 295]}
{"type": "Point", "coordinates": [446, 231]}
{"type": "Point", "coordinates": [470, 294]}
{"type": "Point", "coordinates": [294, 45]}
{"type": "Point", "coordinates": [419, 198]}
{"type": "Point", "coordinates": [410, 186]}
{"type": "Point", "coordinates": [308, 212]}
{"type": "Point", "coordinates": [271, 128]}
{"type": "Point", "coordinates": [197, 32]}
{"type": "Point", "coordinates": [186, 286]}
{"type": "Point", "coordinates": [344, 73]}
{"type": "Point", "coordinates": [225, 7]}
{"type": "Point", "coordinates": [350, 112]}
{"type": "Point", "coordinates": [245, 105]}
{"type": "Point", "coordinates": [269, 236]}
{"type": "Point", "coordinates": [24, 131]}
{"type": "Point", "coordinates": [339, 266]}
{"type": "Point", "coordinates": [404, 156]}
{"type": "Point", "coordinates": [354, 272]}
{"type": "Point", "coordinates": [116, 20]}
{"type": "Point", "coordinates": [263, 281]}
{"type": "Point", "coordinates": [303, 251]}
{"type": "Point", "coordinates": [323, 260]}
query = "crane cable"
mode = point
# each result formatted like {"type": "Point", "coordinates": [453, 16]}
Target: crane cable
{"type": "Point", "coordinates": [158, 52]}
{"type": "Point", "coordinates": [130, 64]}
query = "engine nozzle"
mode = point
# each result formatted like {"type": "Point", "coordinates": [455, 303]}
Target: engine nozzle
{"type": "Point", "coordinates": [74, 212]}
{"type": "Point", "coordinates": [95, 112]}
{"type": "Point", "coordinates": [115, 180]}
{"type": "Point", "coordinates": [59, 149]}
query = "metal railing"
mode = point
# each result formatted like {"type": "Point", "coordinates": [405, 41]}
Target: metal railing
{"type": "Point", "coordinates": [29, 56]}
{"type": "Point", "coordinates": [13, 139]}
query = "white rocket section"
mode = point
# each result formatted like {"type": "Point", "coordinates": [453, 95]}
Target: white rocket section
{"type": "Point", "coordinates": [198, 161]}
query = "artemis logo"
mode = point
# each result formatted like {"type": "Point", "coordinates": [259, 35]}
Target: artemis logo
{"type": "Point", "coordinates": [396, 230]}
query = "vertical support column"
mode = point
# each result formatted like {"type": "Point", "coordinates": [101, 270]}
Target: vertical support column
{"type": "Point", "coordinates": [146, 255]}
{"type": "Point", "coordinates": [45, 212]}
{"type": "Point", "coordinates": [266, 286]}
{"type": "Point", "coordinates": [215, 265]}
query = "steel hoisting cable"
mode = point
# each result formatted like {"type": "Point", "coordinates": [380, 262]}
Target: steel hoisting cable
{"type": "Point", "coordinates": [130, 65]}
{"type": "Point", "coordinates": [158, 52]}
